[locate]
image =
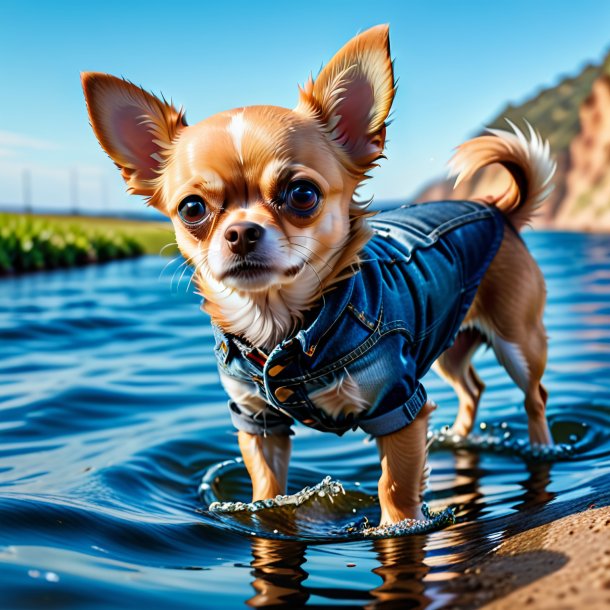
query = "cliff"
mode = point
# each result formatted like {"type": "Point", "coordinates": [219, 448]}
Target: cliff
{"type": "Point", "coordinates": [574, 116]}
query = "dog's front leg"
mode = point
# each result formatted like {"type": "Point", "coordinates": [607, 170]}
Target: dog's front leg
{"type": "Point", "coordinates": [266, 459]}
{"type": "Point", "coordinates": [404, 469]}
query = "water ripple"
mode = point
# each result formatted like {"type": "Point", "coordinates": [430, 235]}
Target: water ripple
{"type": "Point", "coordinates": [112, 410]}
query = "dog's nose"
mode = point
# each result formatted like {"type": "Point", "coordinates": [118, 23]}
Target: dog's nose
{"type": "Point", "coordinates": [242, 237]}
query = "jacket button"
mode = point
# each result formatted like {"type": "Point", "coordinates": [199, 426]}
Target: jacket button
{"type": "Point", "coordinates": [283, 394]}
{"type": "Point", "coordinates": [276, 370]}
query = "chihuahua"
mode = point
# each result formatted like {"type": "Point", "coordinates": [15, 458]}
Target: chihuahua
{"type": "Point", "coordinates": [322, 311]}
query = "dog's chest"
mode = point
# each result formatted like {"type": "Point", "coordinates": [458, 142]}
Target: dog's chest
{"type": "Point", "coordinates": [337, 398]}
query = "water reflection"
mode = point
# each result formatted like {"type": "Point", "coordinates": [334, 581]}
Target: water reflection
{"type": "Point", "coordinates": [415, 571]}
{"type": "Point", "coordinates": [276, 568]}
{"type": "Point", "coordinates": [403, 569]}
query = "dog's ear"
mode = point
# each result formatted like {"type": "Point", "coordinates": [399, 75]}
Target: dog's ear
{"type": "Point", "coordinates": [134, 127]}
{"type": "Point", "coordinates": [353, 94]}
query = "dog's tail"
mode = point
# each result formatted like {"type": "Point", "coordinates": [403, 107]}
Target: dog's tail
{"type": "Point", "coordinates": [527, 160]}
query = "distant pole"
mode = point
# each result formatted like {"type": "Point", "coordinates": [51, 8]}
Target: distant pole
{"type": "Point", "coordinates": [26, 190]}
{"type": "Point", "coordinates": [74, 191]}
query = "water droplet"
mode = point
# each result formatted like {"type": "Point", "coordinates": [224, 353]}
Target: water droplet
{"type": "Point", "coordinates": [51, 577]}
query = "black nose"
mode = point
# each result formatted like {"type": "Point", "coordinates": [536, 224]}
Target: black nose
{"type": "Point", "coordinates": [242, 237]}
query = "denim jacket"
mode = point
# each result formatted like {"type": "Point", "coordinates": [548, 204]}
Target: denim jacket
{"type": "Point", "coordinates": [384, 326]}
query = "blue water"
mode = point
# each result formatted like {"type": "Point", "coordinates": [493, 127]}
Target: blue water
{"type": "Point", "coordinates": [111, 412]}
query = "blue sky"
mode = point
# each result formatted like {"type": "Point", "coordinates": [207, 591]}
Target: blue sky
{"type": "Point", "coordinates": [458, 64]}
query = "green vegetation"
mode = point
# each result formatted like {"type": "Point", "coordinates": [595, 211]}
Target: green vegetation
{"type": "Point", "coordinates": [554, 111]}
{"type": "Point", "coordinates": [31, 243]}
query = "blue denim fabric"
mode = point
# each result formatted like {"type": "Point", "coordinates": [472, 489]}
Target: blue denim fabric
{"type": "Point", "coordinates": [384, 326]}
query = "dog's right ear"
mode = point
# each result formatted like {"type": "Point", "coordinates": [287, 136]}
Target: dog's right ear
{"type": "Point", "coordinates": [352, 96]}
{"type": "Point", "coordinates": [134, 127]}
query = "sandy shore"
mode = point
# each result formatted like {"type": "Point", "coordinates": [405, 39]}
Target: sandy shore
{"type": "Point", "coordinates": [561, 565]}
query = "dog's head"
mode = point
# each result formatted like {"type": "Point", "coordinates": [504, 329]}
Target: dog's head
{"type": "Point", "coordinates": [259, 196]}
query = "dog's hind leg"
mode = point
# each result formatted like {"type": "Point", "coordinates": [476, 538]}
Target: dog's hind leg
{"type": "Point", "coordinates": [509, 305]}
{"type": "Point", "coordinates": [454, 365]}
{"type": "Point", "coordinates": [525, 362]}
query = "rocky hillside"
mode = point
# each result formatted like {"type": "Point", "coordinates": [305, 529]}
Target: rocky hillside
{"type": "Point", "coordinates": [575, 117]}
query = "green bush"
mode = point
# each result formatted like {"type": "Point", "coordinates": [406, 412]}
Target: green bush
{"type": "Point", "coordinates": [30, 244]}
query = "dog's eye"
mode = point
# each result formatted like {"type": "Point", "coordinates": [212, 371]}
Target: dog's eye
{"type": "Point", "coordinates": [302, 197]}
{"type": "Point", "coordinates": [192, 210]}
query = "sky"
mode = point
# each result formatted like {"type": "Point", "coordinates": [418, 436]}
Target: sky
{"type": "Point", "coordinates": [457, 63]}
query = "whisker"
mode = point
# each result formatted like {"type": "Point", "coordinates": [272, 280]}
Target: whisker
{"type": "Point", "coordinates": [171, 283]}
{"type": "Point", "coordinates": [171, 243]}
{"type": "Point", "coordinates": [321, 258]}
{"type": "Point", "coordinates": [184, 264]}
{"type": "Point", "coordinates": [186, 267]}
{"type": "Point", "coordinates": [201, 254]}
{"type": "Point", "coordinates": [173, 260]}
{"type": "Point", "coordinates": [320, 242]}
{"type": "Point", "coordinates": [319, 282]}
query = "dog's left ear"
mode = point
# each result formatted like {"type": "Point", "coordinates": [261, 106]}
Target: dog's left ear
{"type": "Point", "coordinates": [353, 94]}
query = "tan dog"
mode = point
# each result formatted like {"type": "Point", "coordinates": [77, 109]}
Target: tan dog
{"type": "Point", "coordinates": [262, 202]}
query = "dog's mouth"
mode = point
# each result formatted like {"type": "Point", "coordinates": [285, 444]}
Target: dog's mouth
{"type": "Point", "coordinates": [253, 275]}
{"type": "Point", "coordinates": [247, 270]}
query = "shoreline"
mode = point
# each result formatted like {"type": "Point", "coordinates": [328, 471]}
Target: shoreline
{"type": "Point", "coordinates": [560, 565]}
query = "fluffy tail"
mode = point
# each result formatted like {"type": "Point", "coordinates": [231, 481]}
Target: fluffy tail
{"type": "Point", "coordinates": [527, 160]}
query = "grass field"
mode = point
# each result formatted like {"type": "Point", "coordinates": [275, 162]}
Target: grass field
{"type": "Point", "coordinates": [153, 236]}
{"type": "Point", "coordinates": [36, 242]}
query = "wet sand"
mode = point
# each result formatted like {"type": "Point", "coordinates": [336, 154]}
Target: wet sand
{"type": "Point", "coordinates": [561, 565]}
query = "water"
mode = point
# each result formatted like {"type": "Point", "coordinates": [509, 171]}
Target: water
{"type": "Point", "coordinates": [112, 412]}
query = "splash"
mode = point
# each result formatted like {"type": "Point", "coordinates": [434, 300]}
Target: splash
{"type": "Point", "coordinates": [327, 487]}
{"type": "Point", "coordinates": [500, 438]}
{"type": "Point", "coordinates": [325, 512]}
{"type": "Point", "coordinates": [326, 490]}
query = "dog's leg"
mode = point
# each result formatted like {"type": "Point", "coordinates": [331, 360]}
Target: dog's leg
{"type": "Point", "coordinates": [537, 424]}
{"type": "Point", "coordinates": [266, 459]}
{"type": "Point", "coordinates": [536, 396]}
{"type": "Point", "coordinates": [510, 305]}
{"type": "Point", "coordinates": [404, 469]}
{"type": "Point", "coordinates": [455, 367]}
{"type": "Point", "coordinates": [525, 363]}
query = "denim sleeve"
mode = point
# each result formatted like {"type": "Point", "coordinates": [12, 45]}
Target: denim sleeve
{"type": "Point", "coordinates": [268, 422]}
{"type": "Point", "coordinates": [387, 376]}
{"type": "Point", "coordinates": [394, 418]}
